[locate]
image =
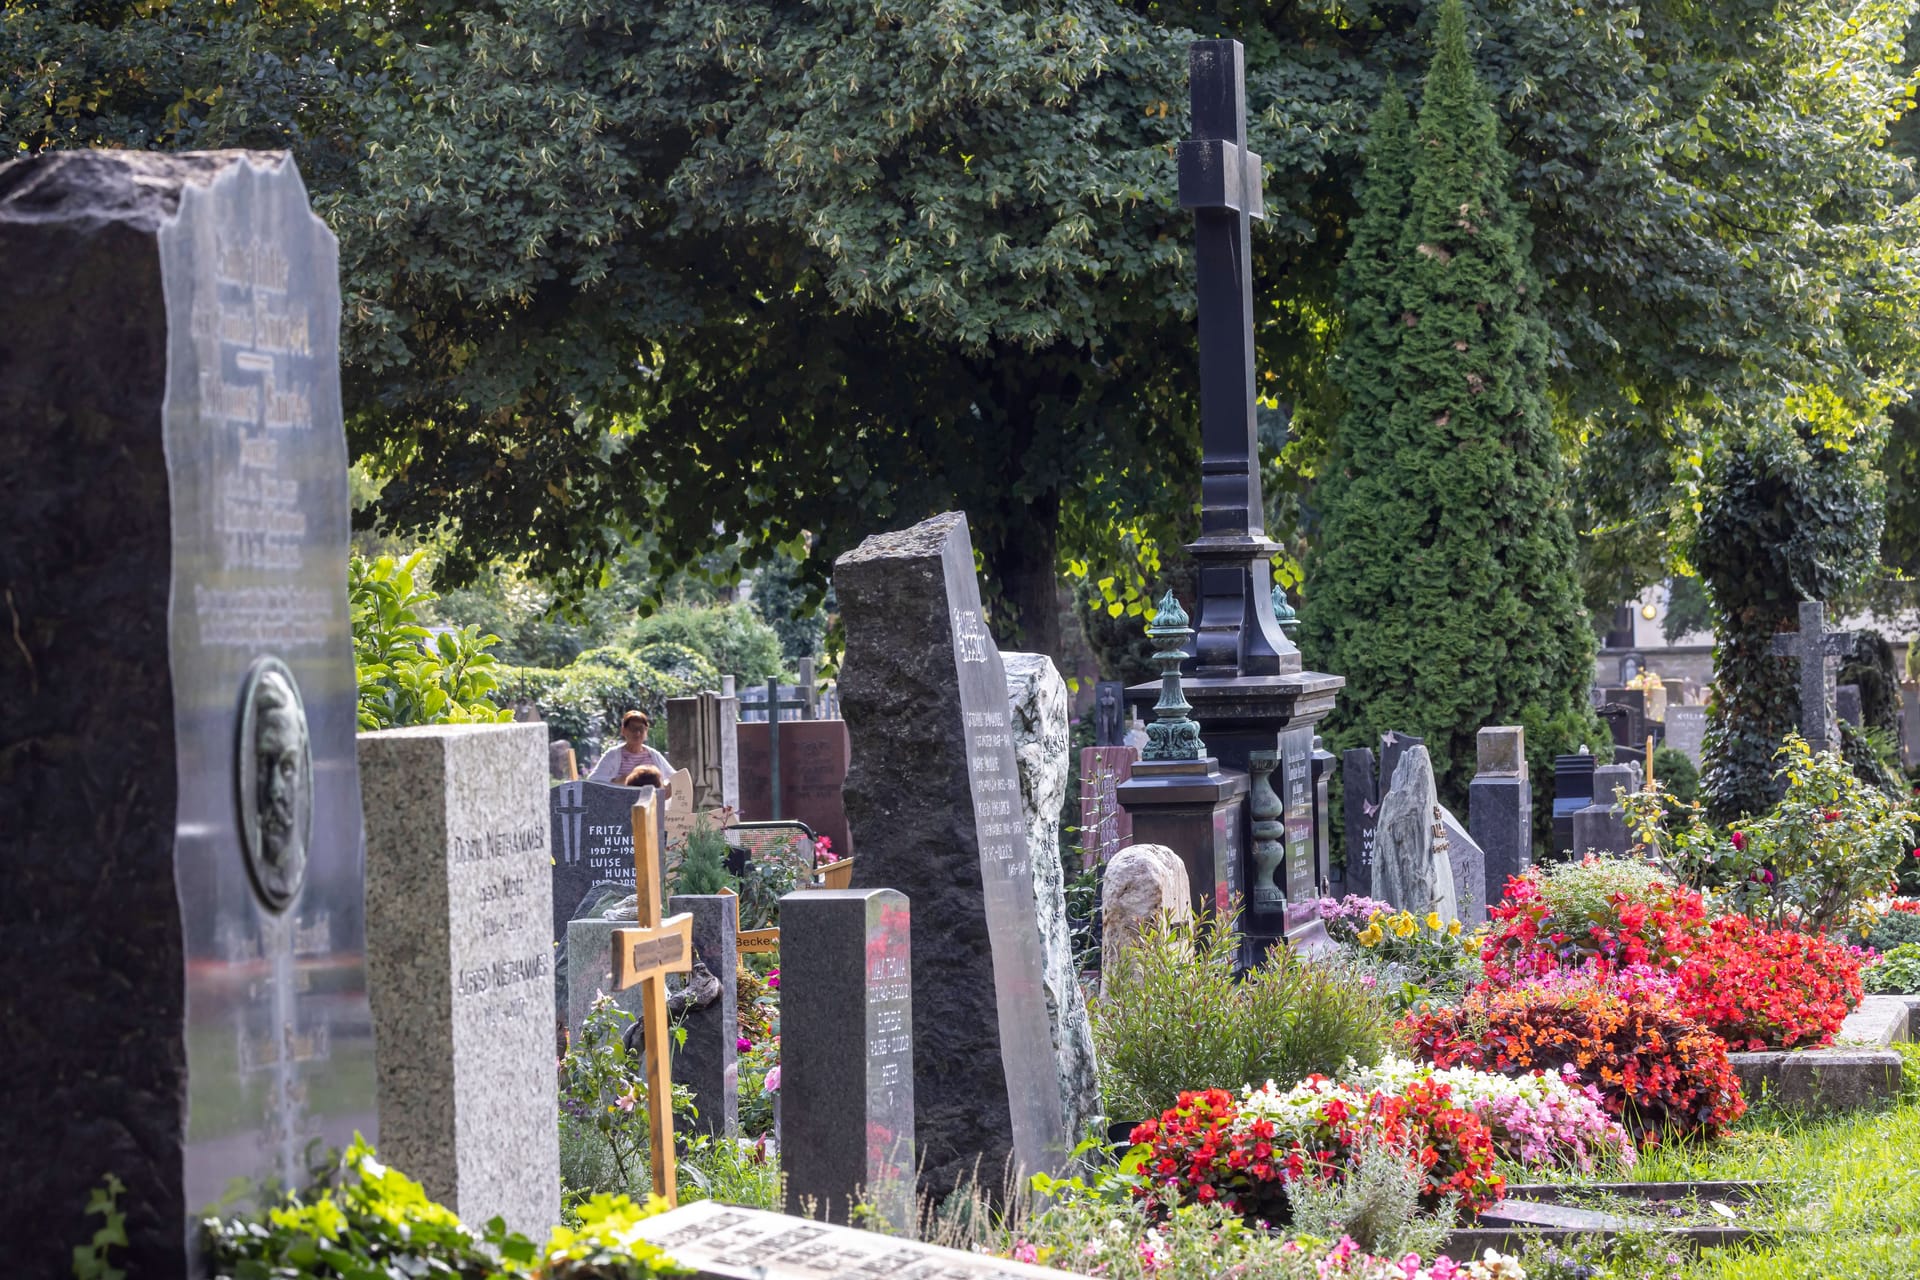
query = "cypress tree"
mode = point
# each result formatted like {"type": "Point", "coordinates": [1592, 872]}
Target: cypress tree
{"type": "Point", "coordinates": [1442, 582]}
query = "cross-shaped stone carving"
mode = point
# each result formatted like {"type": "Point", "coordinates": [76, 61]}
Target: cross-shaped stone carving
{"type": "Point", "coordinates": [571, 808]}
{"type": "Point", "coordinates": [1220, 181]}
{"type": "Point", "coordinates": [1818, 651]}
{"type": "Point", "coordinates": [646, 955]}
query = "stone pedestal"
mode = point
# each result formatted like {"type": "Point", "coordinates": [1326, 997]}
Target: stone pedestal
{"type": "Point", "coordinates": [1196, 809]}
{"type": "Point", "coordinates": [1500, 806]}
{"type": "Point", "coordinates": [1601, 827]}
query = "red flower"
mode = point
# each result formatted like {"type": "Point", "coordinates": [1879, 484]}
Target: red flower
{"type": "Point", "coordinates": [1740, 841]}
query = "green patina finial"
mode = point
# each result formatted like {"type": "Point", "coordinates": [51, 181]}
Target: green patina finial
{"type": "Point", "coordinates": [1283, 612]}
{"type": "Point", "coordinates": [1173, 735]}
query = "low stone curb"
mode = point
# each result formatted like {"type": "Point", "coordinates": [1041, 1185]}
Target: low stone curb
{"type": "Point", "coordinates": [1820, 1079]}
{"type": "Point", "coordinates": [1877, 1023]}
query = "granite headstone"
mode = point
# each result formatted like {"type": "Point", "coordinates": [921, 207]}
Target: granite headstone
{"type": "Point", "coordinates": [1500, 806]}
{"type": "Point", "coordinates": [1105, 828]}
{"type": "Point", "coordinates": [1409, 874]}
{"type": "Point", "coordinates": [173, 548]}
{"type": "Point", "coordinates": [1601, 827]}
{"type": "Point", "coordinates": [707, 1059]}
{"type": "Point", "coordinates": [1687, 731]}
{"type": "Point", "coordinates": [1572, 792]}
{"type": "Point", "coordinates": [933, 796]}
{"type": "Point", "coordinates": [592, 843]}
{"type": "Point", "coordinates": [814, 756]}
{"type": "Point", "coordinates": [461, 965]}
{"type": "Point", "coordinates": [846, 990]}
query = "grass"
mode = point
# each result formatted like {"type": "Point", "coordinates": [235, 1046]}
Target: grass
{"type": "Point", "coordinates": [1851, 1196]}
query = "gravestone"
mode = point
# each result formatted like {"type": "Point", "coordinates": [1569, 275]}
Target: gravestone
{"type": "Point", "coordinates": [1909, 725]}
{"type": "Point", "coordinates": [1037, 703]}
{"type": "Point", "coordinates": [1500, 806]}
{"type": "Point", "coordinates": [592, 843]}
{"type": "Point", "coordinates": [1601, 827]}
{"type": "Point", "coordinates": [1408, 873]}
{"type": "Point", "coordinates": [1846, 704]}
{"type": "Point", "coordinates": [703, 735]}
{"type": "Point", "coordinates": [561, 766]}
{"type": "Point", "coordinates": [1572, 792]}
{"type": "Point", "coordinates": [846, 994]}
{"type": "Point", "coordinates": [1468, 863]}
{"type": "Point", "coordinates": [707, 1060]}
{"type": "Point", "coordinates": [1105, 828]}
{"type": "Point", "coordinates": [1143, 885]}
{"type": "Point", "coordinates": [1361, 792]}
{"type": "Point", "coordinates": [814, 756]}
{"type": "Point", "coordinates": [173, 546]}
{"type": "Point", "coordinates": [933, 795]}
{"type": "Point", "coordinates": [716, 1241]}
{"type": "Point", "coordinates": [461, 966]}
{"type": "Point", "coordinates": [1687, 731]}
{"type": "Point", "coordinates": [1816, 652]}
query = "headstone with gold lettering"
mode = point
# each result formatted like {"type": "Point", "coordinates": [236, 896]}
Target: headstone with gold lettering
{"type": "Point", "coordinates": [179, 805]}
{"type": "Point", "coordinates": [461, 965]}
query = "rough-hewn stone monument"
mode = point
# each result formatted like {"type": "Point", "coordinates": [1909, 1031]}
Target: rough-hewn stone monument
{"type": "Point", "coordinates": [179, 804]}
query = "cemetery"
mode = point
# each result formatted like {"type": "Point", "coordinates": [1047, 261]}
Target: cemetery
{"type": "Point", "coordinates": [942, 640]}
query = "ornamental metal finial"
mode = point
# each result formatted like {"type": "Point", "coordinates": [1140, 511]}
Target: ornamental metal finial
{"type": "Point", "coordinates": [1283, 612]}
{"type": "Point", "coordinates": [1173, 735]}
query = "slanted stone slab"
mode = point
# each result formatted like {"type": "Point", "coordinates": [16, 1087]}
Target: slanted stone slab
{"type": "Point", "coordinates": [1878, 1022]}
{"type": "Point", "coordinates": [1820, 1079]}
{"type": "Point", "coordinates": [933, 795]}
{"type": "Point", "coordinates": [722, 1242]}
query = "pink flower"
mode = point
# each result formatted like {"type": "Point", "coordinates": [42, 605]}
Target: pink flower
{"type": "Point", "coordinates": [1025, 1252]}
{"type": "Point", "coordinates": [743, 1044]}
{"type": "Point", "coordinates": [823, 851]}
{"type": "Point", "coordinates": [772, 1082]}
{"type": "Point", "coordinates": [773, 980]}
{"type": "Point", "coordinates": [626, 1100]}
{"type": "Point", "coordinates": [1740, 842]}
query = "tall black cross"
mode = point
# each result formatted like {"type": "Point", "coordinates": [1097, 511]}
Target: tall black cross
{"type": "Point", "coordinates": [1235, 632]}
{"type": "Point", "coordinates": [1817, 649]}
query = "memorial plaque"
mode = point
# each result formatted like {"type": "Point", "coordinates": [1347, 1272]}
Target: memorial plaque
{"type": "Point", "coordinates": [1296, 764]}
{"type": "Point", "coordinates": [462, 967]}
{"type": "Point", "coordinates": [592, 843]}
{"type": "Point", "coordinates": [1105, 827]}
{"type": "Point", "coordinates": [1687, 731]}
{"type": "Point", "coordinates": [933, 795]}
{"type": "Point", "coordinates": [721, 1242]}
{"type": "Point", "coordinates": [173, 536]}
{"type": "Point", "coordinates": [847, 996]}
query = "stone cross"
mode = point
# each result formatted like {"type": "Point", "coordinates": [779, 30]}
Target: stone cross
{"type": "Point", "coordinates": [645, 956]}
{"type": "Point", "coordinates": [1220, 182]}
{"type": "Point", "coordinates": [1818, 651]}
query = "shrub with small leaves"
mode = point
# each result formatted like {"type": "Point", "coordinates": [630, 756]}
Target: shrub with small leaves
{"type": "Point", "coordinates": [1895, 973]}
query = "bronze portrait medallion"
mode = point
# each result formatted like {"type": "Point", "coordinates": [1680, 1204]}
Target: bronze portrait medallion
{"type": "Point", "coordinates": [273, 771]}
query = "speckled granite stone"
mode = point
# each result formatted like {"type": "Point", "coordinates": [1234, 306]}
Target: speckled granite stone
{"type": "Point", "coordinates": [1037, 698]}
{"type": "Point", "coordinates": [461, 960]}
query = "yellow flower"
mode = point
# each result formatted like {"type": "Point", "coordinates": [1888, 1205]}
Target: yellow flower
{"type": "Point", "coordinates": [1369, 936]}
{"type": "Point", "coordinates": [1453, 928]}
{"type": "Point", "coordinates": [1433, 921]}
{"type": "Point", "coordinates": [1403, 925]}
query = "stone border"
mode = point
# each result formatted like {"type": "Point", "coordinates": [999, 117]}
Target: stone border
{"type": "Point", "coordinates": [1858, 1071]}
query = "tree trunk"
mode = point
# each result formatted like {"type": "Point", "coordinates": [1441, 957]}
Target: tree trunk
{"type": "Point", "coordinates": [1024, 565]}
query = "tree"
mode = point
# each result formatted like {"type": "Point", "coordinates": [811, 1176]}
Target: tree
{"type": "Point", "coordinates": [1788, 514]}
{"type": "Point", "coordinates": [1444, 585]}
{"type": "Point", "coordinates": [698, 262]}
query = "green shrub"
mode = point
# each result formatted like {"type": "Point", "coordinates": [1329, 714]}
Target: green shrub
{"type": "Point", "coordinates": [583, 702]}
{"type": "Point", "coordinates": [703, 862]}
{"type": "Point", "coordinates": [1897, 972]}
{"type": "Point", "coordinates": [1675, 772]}
{"type": "Point", "coordinates": [1174, 1018]}
{"type": "Point", "coordinates": [407, 674]}
{"type": "Point", "coordinates": [1895, 929]}
{"type": "Point", "coordinates": [730, 637]}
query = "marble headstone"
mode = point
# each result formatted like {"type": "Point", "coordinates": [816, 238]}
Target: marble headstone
{"type": "Point", "coordinates": [1037, 699]}
{"type": "Point", "coordinates": [1687, 731]}
{"type": "Point", "coordinates": [461, 966]}
{"type": "Point", "coordinates": [933, 796]}
{"type": "Point", "coordinates": [1407, 874]}
{"type": "Point", "coordinates": [847, 1134]}
{"type": "Point", "coordinates": [178, 794]}
{"type": "Point", "coordinates": [1468, 863]}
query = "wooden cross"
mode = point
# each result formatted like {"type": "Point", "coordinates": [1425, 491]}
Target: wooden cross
{"type": "Point", "coordinates": [1816, 648]}
{"type": "Point", "coordinates": [646, 955]}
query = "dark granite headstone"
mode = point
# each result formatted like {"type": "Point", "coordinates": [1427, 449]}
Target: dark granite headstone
{"type": "Point", "coordinates": [1601, 827]}
{"type": "Point", "coordinates": [1500, 806]}
{"type": "Point", "coordinates": [813, 768]}
{"type": "Point", "coordinates": [846, 992]}
{"type": "Point", "coordinates": [592, 843]}
{"type": "Point", "coordinates": [708, 1060]}
{"type": "Point", "coordinates": [1105, 827]}
{"type": "Point", "coordinates": [933, 796]}
{"type": "Point", "coordinates": [178, 791]}
{"type": "Point", "coordinates": [1572, 792]}
{"type": "Point", "coordinates": [1360, 813]}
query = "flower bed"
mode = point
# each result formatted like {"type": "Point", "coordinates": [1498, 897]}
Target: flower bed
{"type": "Point", "coordinates": [1661, 1073]}
{"type": "Point", "coordinates": [1611, 912]}
{"type": "Point", "coordinates": [1759, 988]}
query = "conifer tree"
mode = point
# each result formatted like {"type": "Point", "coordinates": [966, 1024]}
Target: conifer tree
{"type": "Point", "coordinates": [1442, 582]}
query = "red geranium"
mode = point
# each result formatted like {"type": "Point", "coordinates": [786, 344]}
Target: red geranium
{"type": "Point", "coordinates": [1528, 939]}
{"type": "Point", "coordinates": [1763, 988]}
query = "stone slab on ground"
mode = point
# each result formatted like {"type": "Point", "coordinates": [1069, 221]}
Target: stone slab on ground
{"type": "Point", "coordinates": [1844, 1079]}
{"type": "Point", "coordinates": [1878, 1022]}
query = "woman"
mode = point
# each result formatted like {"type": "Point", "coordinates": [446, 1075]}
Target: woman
{"type": "Point", "coordinates": [632, 752]}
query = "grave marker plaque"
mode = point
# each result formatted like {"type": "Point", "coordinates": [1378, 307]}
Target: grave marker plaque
{"type": "Point", "coordinates": [173, 538]}
{"type": "Point", "coordinates": [933, 795]}
{"type": "Point", "coordinates": [592, 843]}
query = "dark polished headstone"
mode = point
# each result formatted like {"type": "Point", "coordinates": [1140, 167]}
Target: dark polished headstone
{"type": "Point", "coordinates": [1846, 704]}
{"type": "Point", "coordinates": [708, 1060]}
{"type": "Point", "coordinates": [814, 756]}
{"type": "Point", "coordinates": [1572, 792]}
{"type": "Point", "coordinates": [933, 796]}
{"type": "Point", "coordinates": [1193, 808]}
{"type": "Point", "coordinates": [1500, 806]}
{"type": "Point", "coordinates": [846, 991]}
{"type": "Point", "coordinates": [181, 813]}
{"type": "Point", "coordinates": [1360, 815]}
{"type": "Point", "coordinates": [592, 843]}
